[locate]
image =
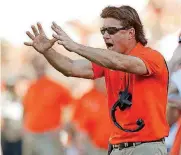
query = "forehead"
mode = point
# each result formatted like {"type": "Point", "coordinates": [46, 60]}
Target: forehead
{"type": "Point", "coordinates": [110, 22]}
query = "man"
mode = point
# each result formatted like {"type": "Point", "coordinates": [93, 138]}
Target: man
{"type": "Point", "coordinates": [11, 112]}
{"type": "Point", "coordinates": [126, 63]}
{"type": "Point", "coordinates": [174, 99]}
{"type": "Point", "coordinates": [43, 103]}
{"type": "Point", "coordinates": [174, 110]}
{"type": "Point", "coordinates": [176, 57]}
{"type": "Point", "coordinates": [92, 117]}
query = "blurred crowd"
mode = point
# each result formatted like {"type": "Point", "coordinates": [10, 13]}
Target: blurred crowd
{"type": "Point", "coordinates": [40, 106]}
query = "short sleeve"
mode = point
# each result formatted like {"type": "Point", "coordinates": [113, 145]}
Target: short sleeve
{"type": "Point", "coordinates": [154, 62]}
{"type": "Point", "coordinates": [97, 70]}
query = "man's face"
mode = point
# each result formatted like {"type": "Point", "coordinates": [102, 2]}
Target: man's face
{"type": "Point", "coordinates": [116, 37]}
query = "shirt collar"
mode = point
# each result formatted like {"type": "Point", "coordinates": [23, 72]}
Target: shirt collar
{"type": "Point", "coordinates": [138, 48]}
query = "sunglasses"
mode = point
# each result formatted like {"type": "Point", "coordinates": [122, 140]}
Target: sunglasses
{"type": "Point", "coordinates": [111, 30]}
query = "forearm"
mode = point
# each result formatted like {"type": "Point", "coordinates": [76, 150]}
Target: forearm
{"type": "Point", "coordinates": [61, 63]}
{"type": "Point", "coordinates": [102, 57]}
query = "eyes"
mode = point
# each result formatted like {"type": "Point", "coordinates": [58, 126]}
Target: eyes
{"type": "Point", "coordinates": [111, 30]}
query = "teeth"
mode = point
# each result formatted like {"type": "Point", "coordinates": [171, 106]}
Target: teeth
{"type": "Point", "coordinates": [110, 47]}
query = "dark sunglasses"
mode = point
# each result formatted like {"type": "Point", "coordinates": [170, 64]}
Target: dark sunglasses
{"type": "Point", "coordinates": [111, 30]}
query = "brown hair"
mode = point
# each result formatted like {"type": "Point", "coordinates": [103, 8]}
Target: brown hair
{"type": "Point", "coordinates": [128, 17]}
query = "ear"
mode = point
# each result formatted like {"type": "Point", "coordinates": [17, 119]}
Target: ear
{"type": "Point", "coordinates": [131, 33]}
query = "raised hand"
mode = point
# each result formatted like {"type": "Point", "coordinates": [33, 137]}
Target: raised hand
{"type": "Point", "coordinates": [63, 38]}
{"type": "Point", "coordinates": [40, 41]}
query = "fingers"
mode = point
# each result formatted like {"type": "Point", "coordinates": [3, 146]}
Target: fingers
{"type": "Point", "coordinates": [30, 35]}
{"type": "Point", "coordinates": [28, 44]}
{"type": "Point", "coordinates": [55, 25]}
{"type": "Point", "coordinates": [40, 28]}
{"type": "Point", "coordinates": [56, 28]}
{"type": "Point", "coordinates": [35, 31]}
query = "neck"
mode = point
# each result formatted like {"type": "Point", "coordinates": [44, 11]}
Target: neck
{"type": "Point", "coordinates": [130, 46]}
{"type": "Point", "coordinates": [39, 75]}
{"type": "Point", "coordinates": [99, 85]}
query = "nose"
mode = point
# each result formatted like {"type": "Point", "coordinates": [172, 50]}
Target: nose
{"type": "Point", "coordinates": [106, 35]}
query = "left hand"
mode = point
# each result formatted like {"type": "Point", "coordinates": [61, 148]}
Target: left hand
{"type": "Point", "coordinates": [63, 38]}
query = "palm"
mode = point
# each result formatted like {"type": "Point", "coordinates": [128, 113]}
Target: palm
{"type": "Point", "coordinates": [40, 41]}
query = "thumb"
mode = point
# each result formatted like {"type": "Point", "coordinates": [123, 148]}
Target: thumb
{"type": "Point", "coordinates": [53, 40]}
{"type": "Point", "coordinates": [60, 42]}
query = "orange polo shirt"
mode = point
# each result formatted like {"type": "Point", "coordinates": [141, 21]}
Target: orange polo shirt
{"type": "Point", "coordinates": [42, 105]}
{"type": "Point", "coordinates": [91, 114]}
{"type": "Point", "coordinates": [149, 97]}
{"type": "Point", "coordinates": [177, 142]}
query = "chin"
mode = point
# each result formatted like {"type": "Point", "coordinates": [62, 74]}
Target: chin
{"type": "Point", "coordinates": [121, 52]}
{"type": "Point", "coordinates": [117, 51]}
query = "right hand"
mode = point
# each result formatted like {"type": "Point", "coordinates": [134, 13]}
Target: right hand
{"type": "Point", "coordinates": [40, 41]}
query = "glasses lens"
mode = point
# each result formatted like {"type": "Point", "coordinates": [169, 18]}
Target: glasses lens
{"type": "Point", "coordinates": [112, 30]}
{"type": "Point", "coordinates": [103, 30]}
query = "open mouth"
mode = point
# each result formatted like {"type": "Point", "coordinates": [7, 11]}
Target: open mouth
{"type": "Point", "coordinates": [109, 45]}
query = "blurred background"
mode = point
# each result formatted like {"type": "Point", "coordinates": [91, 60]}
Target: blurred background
{"type": "Point", "coordinates": [29, 83]}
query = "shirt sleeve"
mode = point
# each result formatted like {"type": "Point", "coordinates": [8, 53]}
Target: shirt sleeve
{"type": "Point", "coordinates": [153, 60]}
{"type": "Point", "coordinates": [97, 70]}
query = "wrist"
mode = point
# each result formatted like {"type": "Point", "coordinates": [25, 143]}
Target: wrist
{"type": "Point", "coordinates": [76, 47]}
{"type": "Point", "coordinates": [47, 51]}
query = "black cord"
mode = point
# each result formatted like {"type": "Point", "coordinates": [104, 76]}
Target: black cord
{"type": "Point", "coordinates": [139, 122]}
